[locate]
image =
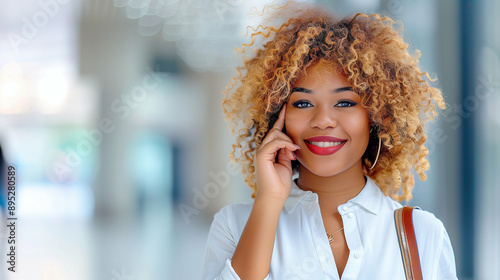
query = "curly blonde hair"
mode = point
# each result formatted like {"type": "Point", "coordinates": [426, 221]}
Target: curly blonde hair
{"type": "Point", "coordinates": [375, 60]}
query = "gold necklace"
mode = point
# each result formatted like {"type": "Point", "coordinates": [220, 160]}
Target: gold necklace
{"type": "Point", "coordinates": [331, 237]}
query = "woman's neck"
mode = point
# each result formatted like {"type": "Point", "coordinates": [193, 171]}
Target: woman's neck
{"type": "Point", "coordinates": [334, 190]}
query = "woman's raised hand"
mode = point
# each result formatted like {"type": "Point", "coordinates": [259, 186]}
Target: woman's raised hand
{"type": "Point", "coordinates": [274, 179]}
{"type": "Point", "coordinates": [252, 256]}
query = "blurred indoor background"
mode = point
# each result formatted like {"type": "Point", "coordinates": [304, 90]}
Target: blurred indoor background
{"type": "Point", "coordinates": [110, 111]}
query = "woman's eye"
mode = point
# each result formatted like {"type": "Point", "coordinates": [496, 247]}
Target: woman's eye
{"type": "Point", "coordinates": [301, 104]}
{"type": "Point", "coordinates": [346, 103]}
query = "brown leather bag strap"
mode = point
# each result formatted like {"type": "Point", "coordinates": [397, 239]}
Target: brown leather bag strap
{"type": "Point", "coordinates": [407, 242]}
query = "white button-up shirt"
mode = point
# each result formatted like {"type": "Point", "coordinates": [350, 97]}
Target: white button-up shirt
{"type": "Point", "coordinates": [301, 248]}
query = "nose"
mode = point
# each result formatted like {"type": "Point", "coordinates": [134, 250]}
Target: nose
{"type": "Point", "coordinates": [324, 118]}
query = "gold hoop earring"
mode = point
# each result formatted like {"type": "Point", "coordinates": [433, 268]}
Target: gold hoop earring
{"type": "Point", "coordinates": [378, 153]}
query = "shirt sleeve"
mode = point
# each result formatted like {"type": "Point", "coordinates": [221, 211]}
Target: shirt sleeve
{"type": "Point", "coordinates": [436, 253]}
{"type": "Point", "coordinates": [446, 260]}
{"type": "Point", "coordinates": [221, 244]}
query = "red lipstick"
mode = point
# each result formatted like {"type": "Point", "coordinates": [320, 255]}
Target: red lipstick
{"type": "Point", "coordinates": [324, 145]}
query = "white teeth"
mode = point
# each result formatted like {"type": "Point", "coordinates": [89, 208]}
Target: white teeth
{"type": "Point", "coordinates": [325, 144]}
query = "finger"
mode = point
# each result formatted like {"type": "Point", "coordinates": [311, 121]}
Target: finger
{"type": "Point", "coordinates": [288, 153]}
{"type": "Point", "coordinates": [280, 122]}
{"type": "Point", "coordinates": [285, 154]}
{"type": "Point", "coordinates": [291, 155]}
{"type": "Point", "coordinates": [276, 134]}
{"type": "Point", "coordinates": [268, 151]}
{"type": "Point", "coordinates": [284, 159]}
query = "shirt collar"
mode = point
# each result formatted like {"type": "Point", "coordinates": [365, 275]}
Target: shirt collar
{"type": "Point", "coordinates": [369, 198]}
{"type": "Point", "coordinates": [295, 196]}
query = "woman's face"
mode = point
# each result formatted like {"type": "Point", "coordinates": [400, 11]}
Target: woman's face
{"type": "Point", "coordinates": [324, 117]}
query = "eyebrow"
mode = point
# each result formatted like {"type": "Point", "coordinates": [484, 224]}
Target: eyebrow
{"type": "Point", "coordinates": [301, 89]}
{"type": "Point", "coordinates": [338, 90]}
{"type": "Point", "coordinates": [342, 89]}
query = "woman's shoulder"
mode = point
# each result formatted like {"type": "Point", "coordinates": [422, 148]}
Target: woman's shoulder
{"type": "Point", "coordinates": [429, 230]}
{"type": "Point", "coordinates": [426, 223]}
{"type": "Point", "coordinates": [423, 220]}
{"type": "Point", "coordinates": [421, 217]}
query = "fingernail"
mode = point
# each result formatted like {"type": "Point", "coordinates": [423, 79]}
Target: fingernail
{"type": "Point", "coordinates": [296, 146]}
{"type": "Point", "coordinates": [294, 157]}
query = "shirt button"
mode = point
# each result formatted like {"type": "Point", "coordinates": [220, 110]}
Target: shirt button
{"type": "Point", "coordinates": [344, 208]}
{"type": "Point", "coordinates": [350, 215]}
{"type": "Point", "coordinates": [357, 255]}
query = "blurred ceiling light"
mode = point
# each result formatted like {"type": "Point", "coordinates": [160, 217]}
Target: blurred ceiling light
{"type": "Point", "coordinates": [52, 90]}
{"type": "Point", "coordinates": [53, 270]}
{"type": "Point", "coordinates": [211, 28]}
{"type": "Point", "coordinates": [14, 90]}
{"type": "Point", "coordinates": [149, 26]}
{"type": "Point", "coordinates": [137, 8]}
{"type": "Point", "coordinates": [48, 200]}
{"type": "Point", "coordinates": [9, 90]}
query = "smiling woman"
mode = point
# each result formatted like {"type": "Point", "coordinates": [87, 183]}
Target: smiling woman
{"type": "Point", "coordinates": [340, 105]}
